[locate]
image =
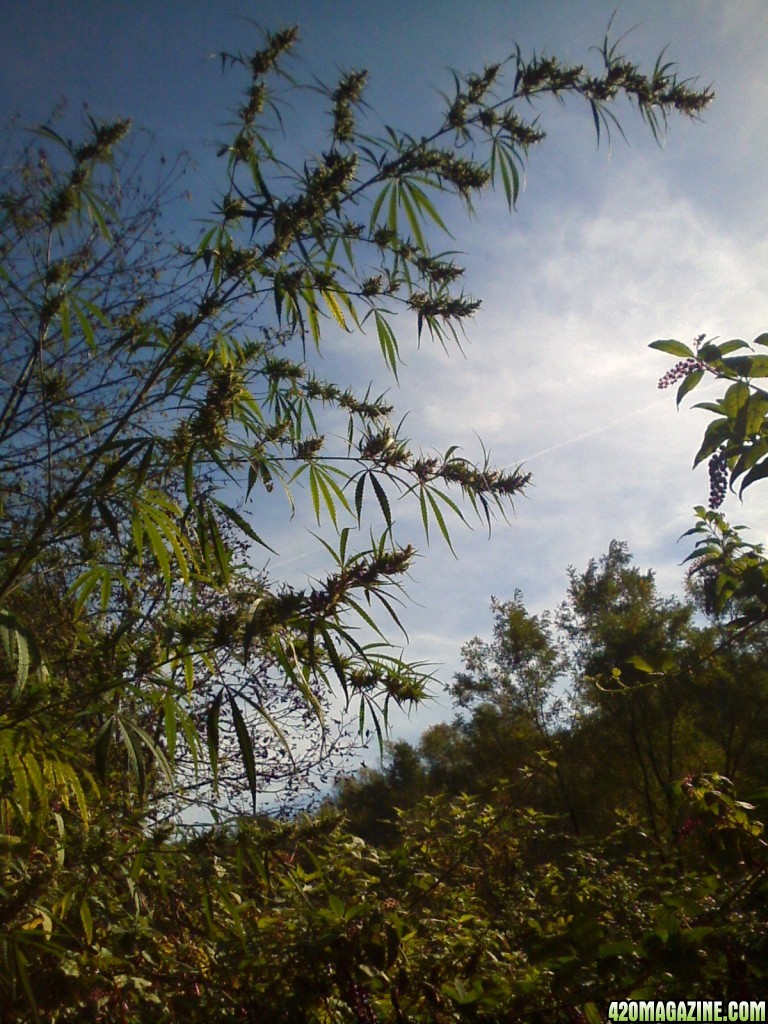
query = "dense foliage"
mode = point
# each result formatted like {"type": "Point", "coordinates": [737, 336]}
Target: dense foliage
{"type": "Point", "coordinates": [157, 397]}
{"type": "Point", "coordinates": [607, 743]}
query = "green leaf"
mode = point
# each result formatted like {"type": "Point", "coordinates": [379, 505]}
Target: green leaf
{"type": "Point", "coordinates": [66, 776]}
{"type": "Point", "coordinates": [84, 586]}
{"type": "Point", "coordinates": [440, 520]}
{"type": "Point", "coordinates": [135, 753]}
{"type": "Point", "coordinates": [246, 748]}
{"type": "Point", "coordinates": [336, 907]}
{"type": "Point", "coordinates": [160, 552]}
{"type": "Point", "coordinates": [387, 343]}
{"type": "Point", "coordinates": [749, 456]}
{"type": "Point", "coordinates": [383, 500]}
{"type": "Point", "coordinates": [640, 664]}
{"type": "Point", "coordinates": [20, 647]}
{"type": "Point", "coordinates": [689, 384]}
{"type": "Point", "coordinates": [333, 304]}
{"type": "Point", "coordinates": [425, 206]}
{"type": "Point", "coordinates": [392, 217]}
{"type": "Point", "coordinates": [735, 398]}
{"type": "Point", "coordinates": [87, 920]}
{"type": "Point", "coordinates": [85, 326]}
{"type": "Point", "coordinates": [673, 348]}
{"type": "Point", "coordinates": [359, 490]}
{"type": "Point", "coordinates": [755, 413]}
{"type": "Point", "coordinates": [592, 1014]}
{"type": "Point", "coordinates": [314, 492]}
{"type": "Point", "coordinates": [222, 555]}
{"type": "Point", "coordinates": [759, 472]}
{"type": "Point", "coordinates": [424, 512]}
{"type": "Point", "coordinates": [715, 407]}
{"type": "Point", "coordinates": [732, 346]}
{"type": "Point", "coordinates": [748, 366]}
{"type": "Point", "coordinates": [102, 747]}
{"type": "Point", "coordinates": [413, 219]}
{"type": "Point", "coordinates": [212, 734]}
{"type": "Point", "coordinates": [169, 724]}
{"type": "Point", "coordinates": [275, 727]}
{"type": "Point", "coordinates": [21, 969]}
{"type": "Point", "coordinates": [377, 206]}
{"type": "Point", "coordinates": [108, 518]}
{"type": "Point", "coordinates": [715, 435]}
{"type": "Point", "coordinates": [336, 662]}
{"type": "Point", "coordinates": [242, 523]}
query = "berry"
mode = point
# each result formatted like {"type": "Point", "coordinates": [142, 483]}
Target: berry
{"type": "Point", "coordinates": [718, 478]}
{"type": "Point", "coordinates": [679, 371]}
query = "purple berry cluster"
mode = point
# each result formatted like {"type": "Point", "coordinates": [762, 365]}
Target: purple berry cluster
{"type": "Point", "coordinates": [680, 370]}
{"type": "Point", "coordinates": [718, 479]}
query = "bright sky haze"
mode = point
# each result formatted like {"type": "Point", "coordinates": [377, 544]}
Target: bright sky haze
{"type": "Point", "coordinates": [611, 248]}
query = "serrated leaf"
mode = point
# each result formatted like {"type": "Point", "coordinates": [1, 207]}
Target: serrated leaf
{"type": "Point", "coordinates": [220, 551]}
{"type": "Point", "coordinates": [440, 521]}
{"type": "Point", "coordinates": [333, 304]}
{"type": "Point", "coordinates": [85, 325]}
{"type": "Point", "coordinates": [87, 921]}
{"type": "Point", "coordinates": [212, 736]}
{"type": "Point", "coordinates": [245, 743]}
{"type": "Point", "coordinates": [20, 783]}
{"type": "Point", "coordinates": [424, 513]}
{"type": "Point", "coordinates": [109, 519]}
{"type": "Point", "coordinates": [410, 213]}
{"type": "Point", "coordinates": [169, 725]}
{"type": "Point", "coordinates": [137, 532]}
{"type": "Point", "coordinates": [135, 753]}
{"type": "Point", "coordinates": [314, 492]}
{"type": "Point", "coordinates": [383, 499]}
{"type": "Point", "coordinates": [102, 747]}
{"type": "Point", "coordinates": [392, 215]}
{"type": "Point", "coordinates": [21, 969]}
{"type": "Point", "coordinates": [378, 204]}
{"type": "Point", "coordinates": [359, 490]}
{"type": "Point", "coordinates": [66, 776]}
{"type": "Point", "coordinates": [160, 552]}
{"type": "Point", "coordinates": [425, 205]}
{"type": "Point", "coordinates": [387, 343]}
{"type": "Point", "coordinates": [335, 659]}
{"type": "Point", "coordinates": [84, 586]}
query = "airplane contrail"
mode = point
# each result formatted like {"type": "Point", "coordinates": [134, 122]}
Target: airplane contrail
{"type": "Point", "coordinates": [588, 433]}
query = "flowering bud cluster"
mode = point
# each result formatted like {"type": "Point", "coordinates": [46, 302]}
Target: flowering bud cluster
{"type": "Point", "coordinates": [680, 370]}
{"type": "Point", "coordinates": [718, 479]}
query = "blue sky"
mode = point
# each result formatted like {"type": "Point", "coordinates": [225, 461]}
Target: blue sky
{"type": "Point", "coordinates": [609, 250]}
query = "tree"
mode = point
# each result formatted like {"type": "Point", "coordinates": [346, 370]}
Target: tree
{"type": "Point", "coordinates": [610, 701]}
{"type": "Point", "coordinates": [154, 393]}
